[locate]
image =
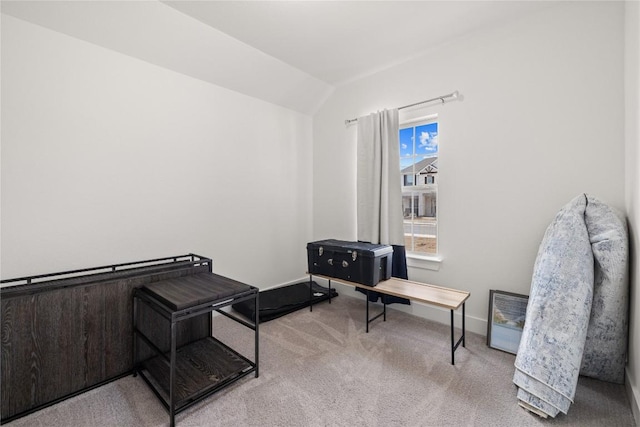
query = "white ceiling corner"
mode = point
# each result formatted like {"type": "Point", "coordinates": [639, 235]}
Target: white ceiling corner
{"type": "Point", "coordinates": [339, 41]}
{"type": "Point", "coordinates": [158, 34]}
{"type": "Point", "coordinates": [289, 53]}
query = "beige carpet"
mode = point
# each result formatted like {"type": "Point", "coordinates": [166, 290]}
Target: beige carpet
{"type": "Point", "coordinates": [322, 369]}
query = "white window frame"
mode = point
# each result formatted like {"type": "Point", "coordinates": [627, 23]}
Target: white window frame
{"type": "Point", "coordinates": [418, 259]}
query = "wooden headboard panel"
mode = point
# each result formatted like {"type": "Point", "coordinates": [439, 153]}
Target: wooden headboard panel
{"type": "Point", "coordinates": [65, 333]}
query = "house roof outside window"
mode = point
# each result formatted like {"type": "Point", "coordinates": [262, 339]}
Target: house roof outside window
{"type": "Point", "coordinates": [426, 165]}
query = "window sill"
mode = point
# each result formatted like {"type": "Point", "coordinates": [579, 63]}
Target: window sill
{"type": "Point", "coordinates": [425, 262]}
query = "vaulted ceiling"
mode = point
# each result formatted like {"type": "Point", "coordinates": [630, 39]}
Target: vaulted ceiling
{"type": "Point", "coordinates": [290, 53]}
{"type": "Point", "coordinates": [339, 41]}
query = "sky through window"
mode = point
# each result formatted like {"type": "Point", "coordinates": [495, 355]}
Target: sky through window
{"type": "Point", "coordinates": [426, 137]}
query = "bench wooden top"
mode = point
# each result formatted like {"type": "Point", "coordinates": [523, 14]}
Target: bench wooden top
{"type": "Point", "coordinates": [448, 298]}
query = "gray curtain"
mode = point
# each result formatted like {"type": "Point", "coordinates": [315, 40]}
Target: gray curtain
{"type": "Point", "coordinates": [379, 193]}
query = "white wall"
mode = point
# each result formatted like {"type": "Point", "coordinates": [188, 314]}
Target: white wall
{"type": "Point", "coordinates": [108, 159]}
{"type": "Point", "coordinates": [542, 121]}
{"type": "Point", "coordinates": [160, 34]}
{"type": "Point", "coordinates": [632, 185]}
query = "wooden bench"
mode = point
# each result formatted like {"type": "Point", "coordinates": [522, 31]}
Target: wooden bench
{"type": "Point", "coordinates": [451, 299]}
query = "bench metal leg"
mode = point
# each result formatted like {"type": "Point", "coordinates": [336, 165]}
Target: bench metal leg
{"type": "Point", "coordinates": [311, 292]}
{"type": "Point", "coordinates": [367, 297]}
{"type": "Point", "coordinates": [454, 345]}
{"type": "Point", "coordinates": [453, 351]}
{"type": "Point", "coordinates": [463, 330]}
{"type": "Point", "coordinates": [383, 313]}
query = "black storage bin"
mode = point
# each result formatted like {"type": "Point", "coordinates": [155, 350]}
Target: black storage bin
{"type": "Point", "coordinates": [358, 262]}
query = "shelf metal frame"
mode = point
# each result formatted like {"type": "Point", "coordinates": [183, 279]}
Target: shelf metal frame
{"type": "Point", "coordinates": [171, 402]}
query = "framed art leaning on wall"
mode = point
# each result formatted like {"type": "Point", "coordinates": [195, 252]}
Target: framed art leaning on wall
{"type": "Point", "coordinates": [507, 312]}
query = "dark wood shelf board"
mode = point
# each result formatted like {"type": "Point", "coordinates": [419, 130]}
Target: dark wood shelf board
{"type": "Point", "coordinates": [202, 367]}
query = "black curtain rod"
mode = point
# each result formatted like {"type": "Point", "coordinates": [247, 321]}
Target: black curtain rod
{"type": "Point", "coordinates": [453, 95]}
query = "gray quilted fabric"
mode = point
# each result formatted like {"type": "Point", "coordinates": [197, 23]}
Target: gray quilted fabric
{"type": "Point", "coordinates": [577, 315]}
{"type": "Point", "coordinates": [605, 350]}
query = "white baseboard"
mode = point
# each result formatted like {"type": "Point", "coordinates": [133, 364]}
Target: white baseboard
{"type": "Point", "coordinates": [633, 401]}
{"type": "Point", "coordinates": [440, 315]}
{"type": "Point", "coordinates": [430, 312]}
{"type": "Point", "coordinates": [292, 282]}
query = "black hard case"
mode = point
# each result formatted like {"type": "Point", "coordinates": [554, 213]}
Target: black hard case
{"type": "Point", "coordinates": [359, 262]}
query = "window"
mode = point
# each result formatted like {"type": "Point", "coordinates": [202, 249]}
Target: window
{"type": "Point", "coordinates": [419, 169]}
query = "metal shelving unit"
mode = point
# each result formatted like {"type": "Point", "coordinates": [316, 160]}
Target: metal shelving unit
{"type": "Point", "coordinates": [183, 373]}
